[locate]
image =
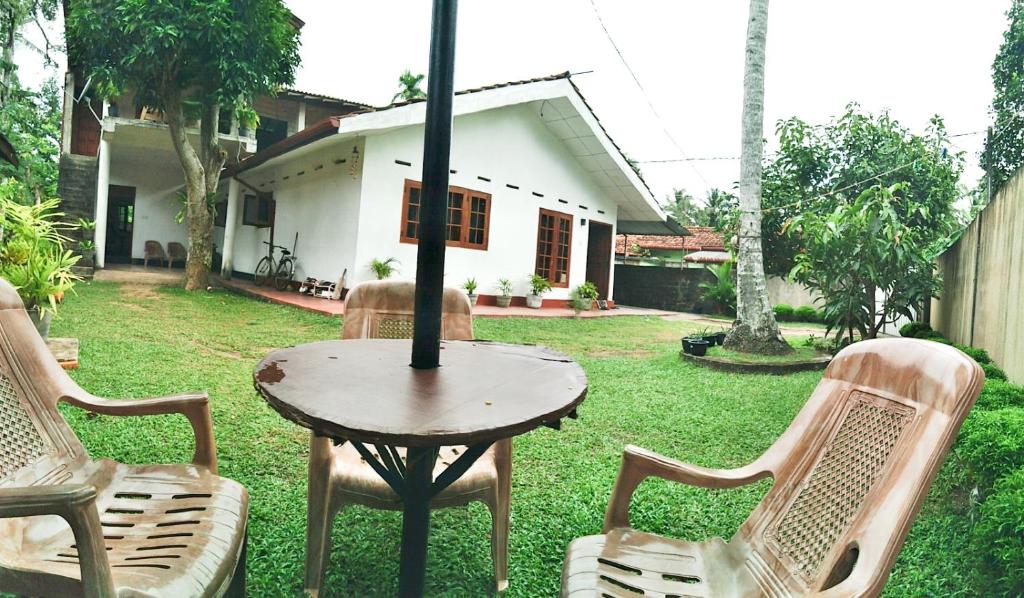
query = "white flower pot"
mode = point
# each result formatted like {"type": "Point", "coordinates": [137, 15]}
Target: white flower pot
{"type": "Point", "coordinates": [534, 301]}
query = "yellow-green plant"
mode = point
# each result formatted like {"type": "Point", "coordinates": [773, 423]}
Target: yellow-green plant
{"type": "Point", "coordinates": [32, 254]}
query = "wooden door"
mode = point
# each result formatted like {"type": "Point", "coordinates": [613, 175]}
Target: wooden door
{"type": "Point", "coordinates": [120, 224]}
{"type": "Point", "coordinates": [599, 257]}
{"type": "Point", "coordinates": [85, 129]}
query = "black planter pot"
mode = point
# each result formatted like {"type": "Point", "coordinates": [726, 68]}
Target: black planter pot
{"type": "Point", "coordinates": [687, 347]}
{"type": "Point", "coordinates": [712, 339]}
{"type": "Point", "coordinates": [721, 338]}
{"type": "Point", "coordinates": [699, 347]}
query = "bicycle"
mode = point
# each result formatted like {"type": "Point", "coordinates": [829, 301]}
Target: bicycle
{"type": "Point", "coordinates": [280, 272]}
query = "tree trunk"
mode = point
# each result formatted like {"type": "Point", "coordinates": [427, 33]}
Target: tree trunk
{"type": "Point", "coordinates": [755, 329]}
{"type": "Point", "coordinates": [202, 174]}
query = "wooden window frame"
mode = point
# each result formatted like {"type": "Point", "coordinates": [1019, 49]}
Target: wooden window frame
{"type": "Point", "coordinates": [250, 219]}
{"type": "Point", "coordinates": [554, 253]}
{"type": "Point", "coordinates": [467, 195]}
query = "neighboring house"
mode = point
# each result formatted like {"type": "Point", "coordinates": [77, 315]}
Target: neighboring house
{"type": "Point", "coordinates": [537, 186]}
{"type": "Point", "coordinates": [701, 245]}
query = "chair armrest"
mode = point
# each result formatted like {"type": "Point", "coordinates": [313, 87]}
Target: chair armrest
{"type": "Point", "coordinates": [76, 504]}
{"type": "Point", "coordinates": [194, 406]}
{"type": "Point", "coordinates": [638, 464]}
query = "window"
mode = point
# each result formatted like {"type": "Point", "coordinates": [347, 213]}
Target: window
{"type": "Point", "coordinates": [554, 247]}
{"type": "Point", "coordinates": [258, 210]}
{"type": "Point", "coordinates": [469, 216]}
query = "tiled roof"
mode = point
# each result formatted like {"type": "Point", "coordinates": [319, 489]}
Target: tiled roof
{"type": "Point", "coordinates": [291, 91]}
{"type": "Point", "coordinates": [701, 238]}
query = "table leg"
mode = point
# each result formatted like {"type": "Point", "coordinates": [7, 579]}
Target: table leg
{"type": "Point", "coordinates": [416, 520]}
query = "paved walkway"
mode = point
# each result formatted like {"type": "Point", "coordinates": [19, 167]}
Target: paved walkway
{"type": "Point", "coordinates": [139, 275]}
{"type": "Point", "coordinates": [337, 308]}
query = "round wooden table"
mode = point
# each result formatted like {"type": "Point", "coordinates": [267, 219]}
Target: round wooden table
{"type": "Point", "coordinates": [365, 392]}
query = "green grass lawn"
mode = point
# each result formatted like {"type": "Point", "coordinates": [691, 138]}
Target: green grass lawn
{"type": "Point", "coordinates": [141, 341]}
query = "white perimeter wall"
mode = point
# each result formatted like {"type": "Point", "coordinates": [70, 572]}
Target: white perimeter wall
{"type": "Point", "coordinates": [508, 146]}
{"type": "Point", "coordinates": [322, 205]}
{"type": "Point", "coordinates": [157, 178]}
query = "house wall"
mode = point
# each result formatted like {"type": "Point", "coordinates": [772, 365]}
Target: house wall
{"type": "Point", "coordinates": [157, 178]}
{"type": "Point", "coordinates": [509, 146]}
{"type": "Point", "coordinates": [322, 205]}
{"type": "Point", "coordinates": [982, 300]}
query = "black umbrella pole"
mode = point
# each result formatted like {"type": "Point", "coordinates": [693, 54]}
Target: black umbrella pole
{"type": "Point", "coordinates": [437, 141]}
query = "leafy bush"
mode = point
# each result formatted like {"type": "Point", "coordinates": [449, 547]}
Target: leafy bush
{"type": "Point", "coordinates": [539, 285]}
{"type": "Point", "coordinates": [979, 355]}
{"type": "Point", "coordinates": [383, 269]}
{"type": "Point", "coordinates": [722, 293]}
{"type": "Point", "coordinates": [992, 443]}
{"type": "Point", "coordinates": [783, 312]}
{"type": "Point", "coordinates": [999, 394]}
{"type": "Point", "coordinates": [998, 540]}
{"type": "Point", "coordinates": [913, 328]}
{"type": "Point", "coordinates": [805, 313]}
{"type": "Point", "coordinates": [587, 290]}
{"type": "Point", "coordinates": [993, 372]}
{"type": "Point", "coordinates": [928, 333]}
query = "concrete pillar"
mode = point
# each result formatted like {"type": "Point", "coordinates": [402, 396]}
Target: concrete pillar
{"type": "Point", "coordinates": [102, 189]}
{"type": "Point", "coordinates": [69, 107]}
{"type": "Point", "coordinates": [302, 117]}
{"type": "Point", "coordinates": [230, 225]}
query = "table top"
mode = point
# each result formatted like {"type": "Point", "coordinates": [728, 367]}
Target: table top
{"type": "Point", "coordinates": [365, 390]}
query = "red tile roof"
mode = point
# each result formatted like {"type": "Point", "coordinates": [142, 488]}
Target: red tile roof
{"type": "Point", "coordinates": [701, 238]}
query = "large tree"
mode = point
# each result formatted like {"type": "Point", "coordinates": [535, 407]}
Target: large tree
{"type": "Point", "coordinates": [1004, 150]}
{"type": "Point", "coordinates": [755, 329]}
{"type": "Point", "coordinates": [190, 59]}
{"type": "Point", "coordinates": [30, 119]}
{"type": "Point", "coordinates": [14, 16]}
{"type": "Point", "coordinates": [816, 167]}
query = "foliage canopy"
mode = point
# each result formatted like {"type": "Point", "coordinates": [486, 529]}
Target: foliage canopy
{"type": "Point", "coordinates": [1004, 150]}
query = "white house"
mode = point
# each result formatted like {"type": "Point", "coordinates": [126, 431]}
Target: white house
{"type": "Point", "coordinates": [537, 186]}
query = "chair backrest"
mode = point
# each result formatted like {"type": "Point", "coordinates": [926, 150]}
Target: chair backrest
{"type": "Point", "coordinates": [384, 309]}
{"type": "Point", "coordinates": [852, 469]}
{"type": "Point", "coordinates": [154, 249]}
{"type": "Point", "coordinates": [176, 250]}
{"type": "Point", "coordinates": [36, 444]}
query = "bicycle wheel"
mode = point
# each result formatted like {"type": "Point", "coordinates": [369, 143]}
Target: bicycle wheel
{"type": "Point", "coordinates": [264, 270]}
{"type": "Point", "coordinates": [283, 276]}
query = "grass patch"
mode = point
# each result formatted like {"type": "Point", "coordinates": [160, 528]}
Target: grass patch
{"type": "Point", "coordinates": [799, 354]}
{"type": "Point", "coordinates": [160, 341]}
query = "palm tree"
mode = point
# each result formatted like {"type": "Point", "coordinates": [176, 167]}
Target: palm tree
{"type": "Point", "coordinates": [409, 87]}
{"type": "Point", "coordinates": [717, 207]}
{"type": "Point", "coordinates": [755, 329]}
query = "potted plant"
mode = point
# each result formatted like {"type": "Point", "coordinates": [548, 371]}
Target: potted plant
{"type": "Point", "coordinates": [584, 296]}
{"type": "Point", "coordinates": [87, 247]}
{"type": "Point", "coordinates": [384, 269]}
{"type": "Point", "coordinates": [504, 298]}
{"type": "Point", "coordinates": [32, 255]}
{"type": "Point", "coordinates": [247, 119]}
{"type": "Point", "coordinates": [720, 337]}
{"type": "Point", "coordinates": [538, 286]}
{"type": "Point", "coordinates": [470, 286]}
{"type": "Point", "coordinates": [699, 346]}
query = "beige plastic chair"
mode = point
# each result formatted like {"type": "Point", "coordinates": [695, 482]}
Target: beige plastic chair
{"type": "Point", "coordinates": [338, 476]}
{"type": "Point", "coordinates": [74, 526]}
{"type": "Point", "coordinates": [176, 252]}
{"type": "Point", "coordinates": [850, 474]}
{"type": "Point", "coordinates": [153, 250]}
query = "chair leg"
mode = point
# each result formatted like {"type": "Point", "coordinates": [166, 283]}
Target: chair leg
{"type": "Point", "coordinates": [500, 504]}
{"type": "Point", "coordinates": [237, 587]}
{"type": "Point", "coordinates": [319, 514]}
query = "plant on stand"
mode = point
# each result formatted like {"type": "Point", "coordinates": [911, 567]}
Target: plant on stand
{"type": "Point", "coordinates": [538, 286]}
{"type": "Point", "coordinates": [384, 269]}
{"type": "Point", "coordinates": [470, 286]}
{"type": "Point", "coordinates": [87, 246]}
{"type": "Point", "coordinates": [32, 255]}
{"type": "Point", "coordinates": [504, 297]}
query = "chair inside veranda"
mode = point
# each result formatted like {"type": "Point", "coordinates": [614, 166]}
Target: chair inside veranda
{"type": "Point", "coordinates": [850, 474]}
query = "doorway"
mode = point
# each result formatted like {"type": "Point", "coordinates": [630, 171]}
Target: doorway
{"type": "Point", "coordinates": [120, 222]}
{"type": "Point", "coordinates": [599, 257]}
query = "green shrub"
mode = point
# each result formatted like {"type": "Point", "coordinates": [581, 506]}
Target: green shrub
{"type": "Point", "coordinates": [928, 333]}
{"type": "Point", "coordinates": [979, 355]}
{"type": "Point", "coordinates": [999, 394]}
{"type": "Point", "coordinates": [992, 443]}
{"type": "Point", "coordinates": [805, 313]}
{"type": "Point", "coordinates": [783, 312]}
{"type": "Point", "coordinates": [912, 329]}
{"type": "Point", "coordinates": [992, 372]}
{"type": "Point", "coordinates": [998, 539]}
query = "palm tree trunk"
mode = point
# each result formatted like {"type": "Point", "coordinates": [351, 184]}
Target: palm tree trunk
{"type": "Point", "coordinates": [755, 329]}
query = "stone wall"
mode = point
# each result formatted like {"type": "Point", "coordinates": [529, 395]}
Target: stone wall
{"type": "Point", "coordinates": [661, 288]}
{"type": "Point", "coordinates": [76, 188]}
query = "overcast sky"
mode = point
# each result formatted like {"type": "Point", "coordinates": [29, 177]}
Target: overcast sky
{"type": "Point", "coordinates": [915, 57]}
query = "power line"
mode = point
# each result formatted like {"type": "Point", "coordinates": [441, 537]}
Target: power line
{"type": "Point", "coordinates": [644, 93]}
